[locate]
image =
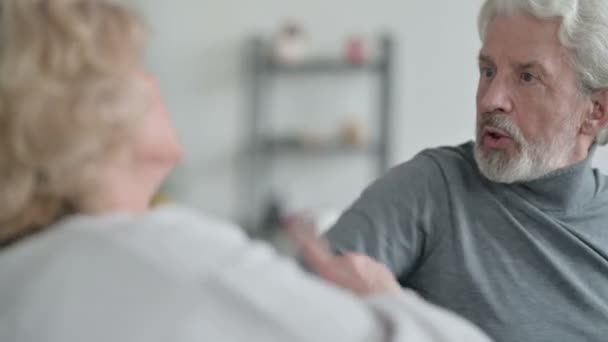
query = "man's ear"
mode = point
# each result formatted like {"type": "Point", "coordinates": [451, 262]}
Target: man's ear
{"type": "Point", "coordinates": [598, 117]}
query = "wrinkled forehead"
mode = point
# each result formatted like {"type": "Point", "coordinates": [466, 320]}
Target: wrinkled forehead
{"type": "Point", "coordinates": [520, 38]}
{"type": "Point", "coordinates": [523, 31]}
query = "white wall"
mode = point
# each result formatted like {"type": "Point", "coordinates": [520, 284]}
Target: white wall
{"type": "Point", "coordinates": [196, 51]}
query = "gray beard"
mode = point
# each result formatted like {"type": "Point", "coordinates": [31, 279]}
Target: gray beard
{"type": "Point", "coordinates": [533, 161]}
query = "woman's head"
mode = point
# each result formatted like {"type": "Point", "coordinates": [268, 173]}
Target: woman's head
{"type": "Point", "coordinates": [82, 128]}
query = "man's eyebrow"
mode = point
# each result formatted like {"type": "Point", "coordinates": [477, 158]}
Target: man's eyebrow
{"type": "Point", "coordinates": [528, 65]}
{"type": "Point", "coordinates": [485, 59]}
{"type": "Point", "coordinates": [533, 64]}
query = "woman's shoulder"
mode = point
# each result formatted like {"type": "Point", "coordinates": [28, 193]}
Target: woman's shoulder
{"type": "Point", "coordinates": [173, 239]}
{"type": "Point", "coordinates": [101, 271]}
{"type": "Point", "coordinates": [98, 278]}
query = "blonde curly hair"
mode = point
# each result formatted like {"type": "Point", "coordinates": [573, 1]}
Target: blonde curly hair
{"type": "Point", "coordinates": [69, 98]}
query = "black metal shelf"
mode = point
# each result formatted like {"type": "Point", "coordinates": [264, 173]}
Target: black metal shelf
{"type": "Point", "coordinates": [261, 149]}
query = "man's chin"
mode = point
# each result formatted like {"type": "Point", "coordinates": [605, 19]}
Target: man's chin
{"type": "Point", "coordinates": [498, 165]}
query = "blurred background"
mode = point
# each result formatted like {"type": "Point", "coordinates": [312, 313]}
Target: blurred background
{"type": "Point", "coordinates": [295, 106]}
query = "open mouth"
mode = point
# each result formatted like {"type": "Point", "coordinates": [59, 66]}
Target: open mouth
{"type": "Point", "coordinates": [495, 133]}
{"type": "Point", "coordinates": [496, 138]}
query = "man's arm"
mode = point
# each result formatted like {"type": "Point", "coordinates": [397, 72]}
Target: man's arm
{"type": "Point", "coordinates": [394, 220]}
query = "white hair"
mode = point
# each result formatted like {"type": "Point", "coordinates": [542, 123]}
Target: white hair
{"type": "Point", "coordinates": [584, 30]}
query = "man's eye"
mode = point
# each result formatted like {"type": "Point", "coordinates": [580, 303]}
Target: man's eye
{"type": "Point", "coordinates": [527, 77]}
{"type": "Point", "coordinates": [487, 72]}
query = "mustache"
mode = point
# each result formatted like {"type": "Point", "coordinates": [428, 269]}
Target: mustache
{"type": "Point", "coordinates": [502, 122]}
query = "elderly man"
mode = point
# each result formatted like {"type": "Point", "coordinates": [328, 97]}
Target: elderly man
{"type": "Point", "coordinates": [509, 231]}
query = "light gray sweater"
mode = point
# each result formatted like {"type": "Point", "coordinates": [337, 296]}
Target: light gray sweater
{"type": "Point", "coordinates": [525, 262]}
{"type": "Point", "coordinates": [174, 276]}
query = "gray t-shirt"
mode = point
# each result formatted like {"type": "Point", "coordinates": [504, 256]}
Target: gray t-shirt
{"type": "Point", "coordinates": [525, 261]}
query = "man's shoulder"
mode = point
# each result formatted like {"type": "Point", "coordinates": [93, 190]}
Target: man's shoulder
{"type": "Point", "coordinates": [431, 163]}
{"type": "Point", "coordinates": [443, 156]}
{"type": "Point", "coordinates": [427, 175]}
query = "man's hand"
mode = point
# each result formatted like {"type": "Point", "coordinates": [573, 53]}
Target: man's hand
{"type": "Point", "coordinates": [357, 273]}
